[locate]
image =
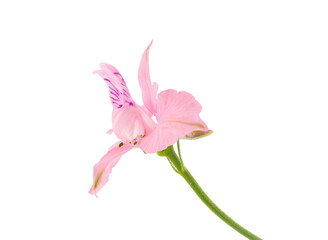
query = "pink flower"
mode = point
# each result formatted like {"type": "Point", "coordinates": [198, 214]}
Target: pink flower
{"type": "Point", "coordinates": [177, 116]}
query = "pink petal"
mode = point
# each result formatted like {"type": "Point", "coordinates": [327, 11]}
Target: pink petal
{"type": "Point", "coordinates": [118, 91]}
{"type": "Point", "coordinates": [110, 131]}
{"type": "Point", "coordinates": [177, 115]}
{"type": "Point", "coordinates": [104, 167]}
{"type": "Point", "coordinates": [182, 106]}
{"type": "Point", "coordinates": [148, 89]}
{"type": "Point", "coordinates": [128, 123]}
{"type": "Point", "coordinates": [131, 123]}
{"type": "Point", "coordinates": [145, 109]}
{"type": "Point", "coordinates": [198, 134]}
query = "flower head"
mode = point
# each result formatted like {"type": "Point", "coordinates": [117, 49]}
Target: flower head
{"type": "Point", "coordinates": [176, 113]}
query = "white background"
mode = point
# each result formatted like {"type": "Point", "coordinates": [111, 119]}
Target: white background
{"type": "Point", "coordinates": [259, 69]}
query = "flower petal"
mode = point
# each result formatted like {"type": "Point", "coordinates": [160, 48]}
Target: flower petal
{"type": "Point", "coordinates": [198, 134]}
{"type": "Point", "coordinates": [104, 167]}
{"type": "Point", "coordinates": [118, 91]}
{"type": "Point", "coordinates": [178, 106]}
{"type": "Point", "coordinates": [128, 123]}
{"type": "Point", "coordinates": [148, 89]}
{"type": "Point", "coordinates": [177, 115]}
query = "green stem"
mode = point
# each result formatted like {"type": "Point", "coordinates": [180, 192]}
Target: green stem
{"type": "Point", "coordinates": [179, 167]}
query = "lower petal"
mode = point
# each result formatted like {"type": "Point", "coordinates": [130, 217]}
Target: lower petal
{"type": "Point", "coordinates": [103, 168]}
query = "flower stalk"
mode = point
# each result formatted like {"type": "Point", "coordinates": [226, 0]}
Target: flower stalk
{"type": "Point", "coordinates": [177, 164]}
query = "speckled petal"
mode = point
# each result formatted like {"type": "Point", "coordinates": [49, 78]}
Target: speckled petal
{"type": "Point", "coordinates": [118, 91]}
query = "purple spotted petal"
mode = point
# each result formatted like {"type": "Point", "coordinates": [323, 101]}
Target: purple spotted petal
{"type": "Point", "coordinates": [118, 91]}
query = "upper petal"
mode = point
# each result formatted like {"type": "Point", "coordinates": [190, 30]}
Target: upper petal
{"type": "Point", "coordinates": [178, 106]}
{"type": "Point", "coordinates": [118, 91]}
{"type": "Point", "coordinates": [177, 115]}
{"type": "Point", "coordinates": [104, 167]}
{"type": "Point", "coordinates": [148, 89]}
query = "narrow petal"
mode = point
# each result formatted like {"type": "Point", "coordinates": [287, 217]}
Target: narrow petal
{"type": "Point", "coordinates": [104, 167]}
{"type": "Point", "coordinates": [145, 109]}
{"type": "Point", "coordinates": [110, 131]}
{"type": "Point", "coordinates": [118, 91]}
{"type": "Point", "coordinates": [177, 116]}
{"type": "Point", "coordinates": [148, 89]}
{"type": "Point", "coordinates": [198, 134]}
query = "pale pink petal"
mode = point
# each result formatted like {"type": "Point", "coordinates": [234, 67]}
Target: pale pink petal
{"type": "Point", "coordinates": [127, 123]}
{"type": "Point", "coordinates": [182, 106]}
{"type": "Point", "coordinates": [177, 116]}
{"type": "Point", "coordinates": [110, 131]}
{"type": "Point", "coordinates": [131, 123]}
{"type": "Point", "coordinates": [104, 167]}
{"type": "Point", "coordinates": [118, 91]}
{"type": "Point", "coordinates": [148, 89]}
{"type": "Point", "coordinates": [145, 109]}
